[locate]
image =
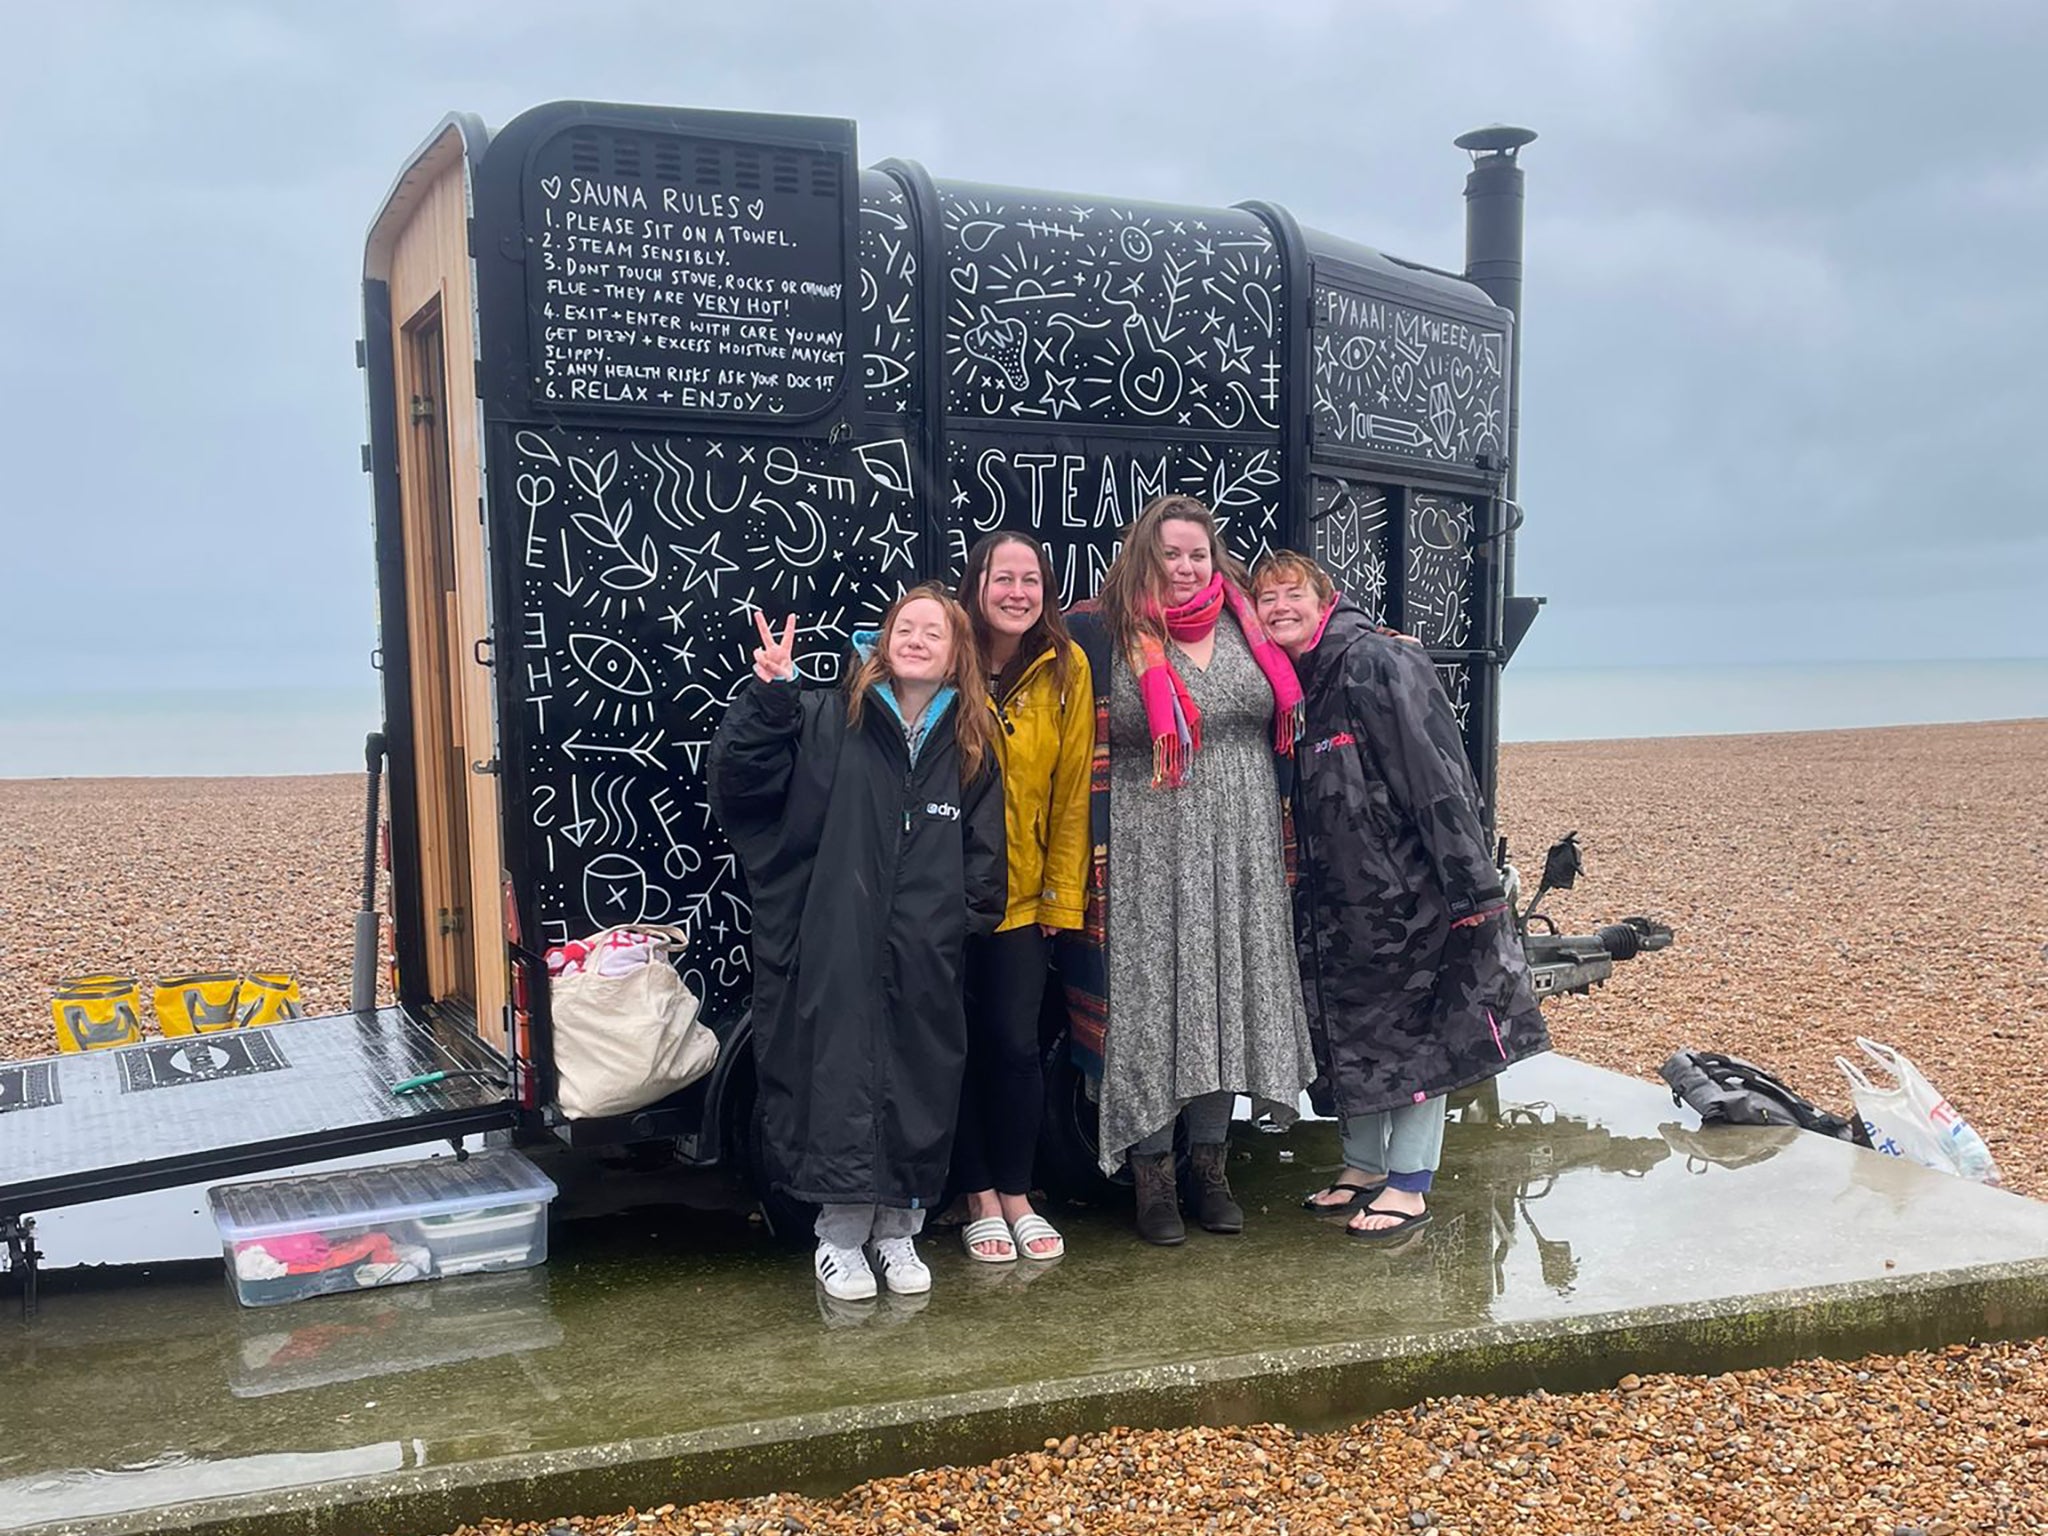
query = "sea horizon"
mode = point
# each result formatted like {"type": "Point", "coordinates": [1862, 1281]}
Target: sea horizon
{"type": "Point", "coordinates": [236, 732]}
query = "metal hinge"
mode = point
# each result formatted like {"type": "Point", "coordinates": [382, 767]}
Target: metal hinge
{"type": "Point", "coordinates": [450, 920]}
{"type": "Point", "coordinates": [422, 409]}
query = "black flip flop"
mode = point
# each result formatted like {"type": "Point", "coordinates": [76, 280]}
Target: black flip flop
{"type": "Point", "coordinates": [1361, 1195]}
{"type": "Point", "coordinates": [1405, 1224]}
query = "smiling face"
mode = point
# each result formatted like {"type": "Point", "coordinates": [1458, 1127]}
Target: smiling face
{"type": "Point", "coordinates": [919, 644]}
{"type": "Point", "coordinates": [1185, 556]}
{"type": "Point", "coordinates": [1290, 609]}
{"type": "Point", "coordinates": [1012, 589]}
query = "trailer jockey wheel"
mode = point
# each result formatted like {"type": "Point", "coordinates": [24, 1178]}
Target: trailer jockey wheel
{"type": "Point", "coordinates": [22, 1257]}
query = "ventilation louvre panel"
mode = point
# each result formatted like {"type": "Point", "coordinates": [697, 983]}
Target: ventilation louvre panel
{"type": "Point", "coordinates": [698, 163]}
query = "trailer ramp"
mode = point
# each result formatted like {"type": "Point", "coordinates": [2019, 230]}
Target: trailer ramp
{"type": "Point", "coordinates": [164, 1113]}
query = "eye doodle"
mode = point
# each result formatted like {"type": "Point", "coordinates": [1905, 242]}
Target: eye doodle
{"type": "Point", "coordinates": [612, 664]}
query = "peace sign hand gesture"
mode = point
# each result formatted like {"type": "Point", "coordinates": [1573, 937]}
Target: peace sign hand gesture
{"type": "Point", "coordinates": [773, 661]}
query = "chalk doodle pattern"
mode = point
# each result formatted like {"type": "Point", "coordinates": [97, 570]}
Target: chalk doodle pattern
{"type": "Point", "coordinates": [1090, 313]}
{"type": "Point", "coordinates": [1440, 570]}
{"type": "Point", "coordinates": [1440, 575]}
{"type": "Point", "coordinates": [645, 557]}
{"type": "Point", "coordinates": [1069, 493]}
{"type": "Point", "coordinates": [1388, 378]}
{"type": "Point", "coordinates": [889, 318]}
{"type": "Point", "coordinates": [1351, 536]}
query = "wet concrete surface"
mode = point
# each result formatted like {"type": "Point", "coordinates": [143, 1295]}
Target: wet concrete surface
{"type": "Point", "coordinates": [1580, 1231]}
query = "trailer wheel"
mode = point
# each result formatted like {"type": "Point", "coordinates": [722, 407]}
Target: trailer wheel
{"type": "Point", "coordinates": [788, 1221]}
{"type": "Point", "coordinates": [1068, 1142]}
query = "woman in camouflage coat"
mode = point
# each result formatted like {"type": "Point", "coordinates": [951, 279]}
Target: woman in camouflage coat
{"type": "Point", "coordinates": [1414, 979]}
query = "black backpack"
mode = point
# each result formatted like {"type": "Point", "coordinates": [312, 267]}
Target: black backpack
{"type": "Point", "coordinates": [1727, 1090]}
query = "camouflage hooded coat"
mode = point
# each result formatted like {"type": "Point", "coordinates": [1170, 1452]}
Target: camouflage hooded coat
{"type": "Point", "coordinates": [1402, 1006]}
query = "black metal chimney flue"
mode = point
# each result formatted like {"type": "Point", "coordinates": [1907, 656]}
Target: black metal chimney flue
{"type": "Point", "coordinates": [1493, 263]}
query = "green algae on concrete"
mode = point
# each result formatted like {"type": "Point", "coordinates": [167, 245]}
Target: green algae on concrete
{"type": "Point", "coordinates": [1581, 1233]}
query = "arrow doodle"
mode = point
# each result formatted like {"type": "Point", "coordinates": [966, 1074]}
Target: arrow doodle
{"type": "Point", "coordinates": [570, 584]}
{"type": "Point", "coordinates": [579, 827]}
{"type": "Point", "coordinates": [641, 751]}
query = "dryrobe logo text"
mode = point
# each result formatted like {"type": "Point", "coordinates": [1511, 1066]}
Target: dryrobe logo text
{"type": "Point", "coordinates": [941, 810]}
{"type": "Point", "coordinates": [1331, 743]}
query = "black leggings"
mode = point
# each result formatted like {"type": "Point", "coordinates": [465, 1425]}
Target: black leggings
{"type": "Point", "coordinates": [1003, 1097]}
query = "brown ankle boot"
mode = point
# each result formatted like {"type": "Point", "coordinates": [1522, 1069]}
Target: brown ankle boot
{"type": "Point", "coordinates": [1158, 1199]}
{"type": "Point", "coordinates": [1214, 1207]}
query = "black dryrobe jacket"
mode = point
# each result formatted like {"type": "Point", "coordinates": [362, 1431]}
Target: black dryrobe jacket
{"type": "Point", "coordinates": [1402, 1005]}
{"type": "Point", "coordinates": [868, 870]}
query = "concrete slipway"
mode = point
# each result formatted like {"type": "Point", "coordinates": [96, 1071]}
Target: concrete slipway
{"type": "Point", "coordinates": [1581, 1232]}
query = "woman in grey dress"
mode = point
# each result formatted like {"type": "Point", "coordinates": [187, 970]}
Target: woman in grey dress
{"type": "Point", "coordinates": [1203, 996]}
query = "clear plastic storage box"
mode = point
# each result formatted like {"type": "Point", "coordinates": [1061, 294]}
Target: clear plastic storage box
{"type": "Point", "coordinates": [323, 1233]}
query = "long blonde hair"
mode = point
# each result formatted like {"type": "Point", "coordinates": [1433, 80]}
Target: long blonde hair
{"type": "Point", "coordinates": [1134, 590]}
{"type": "Point", "coordinates": [974, 723]}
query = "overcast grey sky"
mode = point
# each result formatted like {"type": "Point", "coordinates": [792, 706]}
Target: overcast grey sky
{"type": "Point", "coordinates": [1785, 292]}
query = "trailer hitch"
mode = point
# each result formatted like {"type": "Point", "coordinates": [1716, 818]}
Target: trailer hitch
{"type": "Point", "coordinates": [22, 1257]}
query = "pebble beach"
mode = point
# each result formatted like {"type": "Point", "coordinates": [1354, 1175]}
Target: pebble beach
{"type": "Point", "coordinates": [1890, 883]}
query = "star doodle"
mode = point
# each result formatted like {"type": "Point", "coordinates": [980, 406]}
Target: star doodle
{"type": "Point", "coordinates": [706, 564]}
{"type": "Point", "coordinates": [675, 620]}
{"type": "Point", "coordinates": [1233, 355]}
{"type": "Point", "coordinates": [1059, 395]}
{"type": "Point", "coordinates": [895, 541]}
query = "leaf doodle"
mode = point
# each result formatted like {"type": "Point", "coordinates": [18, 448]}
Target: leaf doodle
{"type": "Point", "coordinates": [1243, 488]}
{"type": "Point", "coordinates": [635, 568]}
{"type": "Point", "coordinates": [595, 481]}
{"type": "Point", "coordinates": [533, 444]}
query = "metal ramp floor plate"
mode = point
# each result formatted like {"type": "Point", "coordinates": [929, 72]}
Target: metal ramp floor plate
{"type": "Point", "coordinates": [86, 1127]}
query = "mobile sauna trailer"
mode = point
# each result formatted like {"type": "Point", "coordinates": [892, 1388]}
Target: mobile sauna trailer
{"type": "Point", "coordinates": [635, 373]}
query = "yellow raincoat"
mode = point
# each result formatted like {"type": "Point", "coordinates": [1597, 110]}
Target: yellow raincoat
{"type": "Point", "coordinates": [1047, 742]}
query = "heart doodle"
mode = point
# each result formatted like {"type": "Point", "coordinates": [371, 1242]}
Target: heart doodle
{"type": "Point", "coordinates": [967, 277]}
{"type": "Point", "coordinates": [1404, 381]}
{"type": "Point", "coordinates": [1462, 380]}
{"type": "Point", "coordinates": [1149, 386]}
{"type": "Point", "coordinates": [756, 208]}
{"type": "Point", "coordinates": [551, 186]}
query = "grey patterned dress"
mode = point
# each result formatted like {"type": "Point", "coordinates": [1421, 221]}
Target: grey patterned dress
{"type": "Point", "coordinates": [1204, 989]}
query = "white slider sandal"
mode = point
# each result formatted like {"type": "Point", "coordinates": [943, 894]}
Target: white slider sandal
{"type": "Point", "coordinates": [989, 1229]}
{"type": "Point", "coordinates": [1036, 1229]}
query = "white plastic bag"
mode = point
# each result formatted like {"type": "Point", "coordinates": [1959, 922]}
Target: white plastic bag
{"type": "Point", "coordinates": [623, 1041]}
{"type": "Point", "coordinates": [1912, 1120]}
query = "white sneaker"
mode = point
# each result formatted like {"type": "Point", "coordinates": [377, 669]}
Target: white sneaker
{"type": "Point", "coordinates": [845, 1274]}
{"type": "Point", "coordinates": [902, 1270]}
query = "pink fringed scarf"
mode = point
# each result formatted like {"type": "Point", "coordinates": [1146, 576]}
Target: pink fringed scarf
{"type": "Point", "coordinates": [1170, 712]}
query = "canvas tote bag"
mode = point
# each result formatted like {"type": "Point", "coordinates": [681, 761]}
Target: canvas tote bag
{"type": "Point", "coordinates": [622, 1042]}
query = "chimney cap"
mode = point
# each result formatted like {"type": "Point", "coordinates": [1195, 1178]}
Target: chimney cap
{"type": "Point", "coordinates": [1495, 139]}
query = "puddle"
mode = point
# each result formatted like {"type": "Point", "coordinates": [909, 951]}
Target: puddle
{"type": "Point", "coordinates": [1573, 1192]}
